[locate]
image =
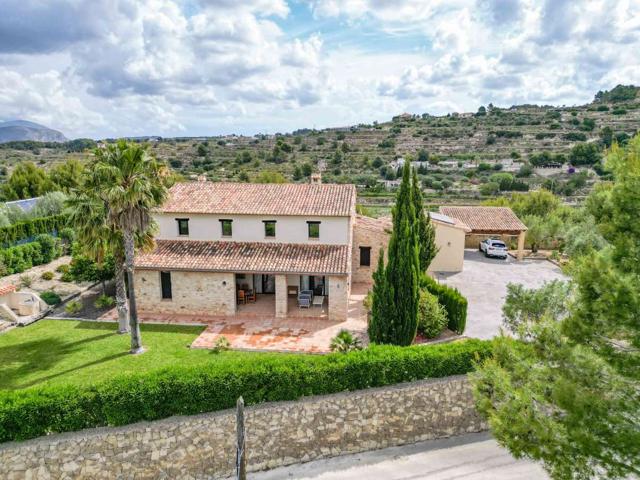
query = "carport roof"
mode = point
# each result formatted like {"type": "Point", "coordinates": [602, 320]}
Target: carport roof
{"type": "Point", "coordinates": [487, 219]}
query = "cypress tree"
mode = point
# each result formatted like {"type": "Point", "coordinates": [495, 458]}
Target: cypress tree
{"type": "Point", "coordinates": [424, 228]}
{"type": "Point", "coordinates": [380, 324]}
{"type": "Point", "coordinates": [403, 265]}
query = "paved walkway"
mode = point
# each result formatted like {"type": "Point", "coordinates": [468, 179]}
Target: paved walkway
{"type": "Point", "coordinates": [484, 282]}
{"type": "Point", "coordinates": [259, 329]}
{"type": "Point", "coordinates": [470, 457]}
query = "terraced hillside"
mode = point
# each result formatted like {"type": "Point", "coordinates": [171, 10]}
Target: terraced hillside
{"type": "Point", "coordinates": [463, 156]}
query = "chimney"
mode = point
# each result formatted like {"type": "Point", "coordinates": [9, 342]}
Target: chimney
{"type": "Point", "coordinates": [316, 178]}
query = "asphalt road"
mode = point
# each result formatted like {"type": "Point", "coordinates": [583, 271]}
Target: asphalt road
{"type": "Point", "coordinates": [470, 457]}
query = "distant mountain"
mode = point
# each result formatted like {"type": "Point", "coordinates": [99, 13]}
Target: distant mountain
{"type": "Point", "coordinates": [20, 130]}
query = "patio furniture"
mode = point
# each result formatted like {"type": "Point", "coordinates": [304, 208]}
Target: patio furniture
{"type": "Point", "coordinates": [308, 293]}
{"type": "Point", "coordinates": [318, 290]}
{"type": "Point", "coordinates": [318, 301]}
{"type": "Point", "coordinates": [250, 296]}
{"type": "Point", "coordinates": [292, 290]}
{"type": "Point", "coordinates": [304, 301]}
{"type": "Point", "coordinates": [241, 297]}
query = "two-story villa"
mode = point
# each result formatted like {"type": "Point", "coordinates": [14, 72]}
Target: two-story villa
{"type": "Point", "coordinates": [218, 238]}
{"type": "Point", "coordinates": [271, 242]}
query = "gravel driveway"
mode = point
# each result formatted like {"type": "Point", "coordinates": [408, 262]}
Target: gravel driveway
{"type": "Point", "coordinates": [484, 282]}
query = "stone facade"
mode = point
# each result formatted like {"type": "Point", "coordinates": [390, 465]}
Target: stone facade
{"type": "Point", "coordinates": [372, 233]}
{"type": "Point", "coordinates": [338, 292]}
{"type": "Point", "coordinates": [202, 446]}
{"type": "Point", "coordinates": [193, 293]}
{"type": "Point", "coordinates": [281, 296]}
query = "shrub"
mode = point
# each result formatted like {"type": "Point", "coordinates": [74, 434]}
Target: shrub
{"type": "Point", "coordinates": [50, 297]}
{"type": "Point", "coordinates": [47, 276]}
{"type": "Point", "coordinates": [432, 317]}
{"type": "Point", "coordinates": [452, 300]}
{"type": "Point", "coordinates": [49, 247]}
{"type": "Point", "coordinates": [73, 307]}
{"type": "Point", "coordinates": [188, 390]}
{"type": "Point", "coordinates": [62, 268]}
{"type": "Point", "coordinates": [67, 277]}
{"type": "Point", "coordinates": [345, 342]}
{"type": "Point", "coordinates": [222, 344]}
{"type": "Point", "coordinates": [104, 301]}
{"type": "Point", "coordinates": [11, 234]}
{"type": "Point", "coordinates": [26, 280]}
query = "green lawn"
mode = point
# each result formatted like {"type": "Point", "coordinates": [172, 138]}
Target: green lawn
{"type": "Point", "coordinates": [69, 351]}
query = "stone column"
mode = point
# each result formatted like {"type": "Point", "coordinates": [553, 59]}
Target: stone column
{"type": "Point", "coordinates": [521, 238]}
{"type": "Point", "coordinates": [338, 298]}
{"type": "Point", "coordinates": [281, 296]}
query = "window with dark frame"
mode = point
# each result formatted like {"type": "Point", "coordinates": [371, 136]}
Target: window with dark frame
{"type": "Point", "coordinates": [269, 228]}
{"type": "Point", "coordinates": [314, 229]}
{"type": "Point", "coordinates": [165, 282]}
{"type": "Point", "coordinates": [227, 228]}
{"type": "Point", "coordinates": [365, 256]}
{"type": "Point", "coordinates": [183, 226]}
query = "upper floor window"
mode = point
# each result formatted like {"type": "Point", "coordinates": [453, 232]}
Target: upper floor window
{"type": "Point", "coordinates": [183, 226]}
{"type": "Point", "coordinates": [365, 256]}
{"type": "Point", "coordinates": [269, 228]}
{"type": "Point", "coordinates": [314, 229]}
{"type": "Point", "coordinates": [165, 283]}
{"type": "Point", "coordinates": [227, 227]}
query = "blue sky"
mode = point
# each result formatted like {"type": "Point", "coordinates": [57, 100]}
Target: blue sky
{"type": "Point", "coordinates": [107, 68]}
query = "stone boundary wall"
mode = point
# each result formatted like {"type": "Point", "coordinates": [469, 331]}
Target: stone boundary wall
{"type": "Point", "coordinates": [202, 446]}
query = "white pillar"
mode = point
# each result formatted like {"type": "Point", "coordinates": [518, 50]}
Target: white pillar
{"type": "Point", "coordinates": [521, 238]}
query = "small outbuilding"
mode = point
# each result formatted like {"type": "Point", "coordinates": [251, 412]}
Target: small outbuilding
{"type": "Point", "coordinates": [489, 222]}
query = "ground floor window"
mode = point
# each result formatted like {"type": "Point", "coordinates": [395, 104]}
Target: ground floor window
{"type": "Point", "coordinates": [165, 282]}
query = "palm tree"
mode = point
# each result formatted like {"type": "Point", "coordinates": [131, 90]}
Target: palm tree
{"type": "Point", "coordinates": [131, 183]}
{"type": "Point", "coordinates": [88, 215]}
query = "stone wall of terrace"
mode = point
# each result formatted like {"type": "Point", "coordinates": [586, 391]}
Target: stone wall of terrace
{"type": "Point", "coordinates": [202, 446]}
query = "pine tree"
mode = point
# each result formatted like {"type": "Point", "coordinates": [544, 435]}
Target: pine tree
{"type": "Point", "coordinates": [425, 232]}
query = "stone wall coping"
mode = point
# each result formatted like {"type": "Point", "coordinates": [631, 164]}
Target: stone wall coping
{"type": "Point", "coordinates": [176, 419]}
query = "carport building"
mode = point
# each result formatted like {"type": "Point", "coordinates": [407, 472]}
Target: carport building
{"type": "Point", "coordinates": [489, 222]}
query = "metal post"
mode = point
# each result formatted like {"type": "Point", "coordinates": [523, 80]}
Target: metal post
{"type": "Point", "coordinates": [241, 459]}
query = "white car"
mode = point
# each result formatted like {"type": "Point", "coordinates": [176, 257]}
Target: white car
{"type": "Point", "coordinates": [493, 248]}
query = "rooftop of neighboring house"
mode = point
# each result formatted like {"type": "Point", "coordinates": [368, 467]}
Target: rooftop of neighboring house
{"type": "Point", "coordinates": [261, 199]}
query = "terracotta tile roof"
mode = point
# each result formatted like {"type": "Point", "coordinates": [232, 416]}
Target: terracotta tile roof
{"type": "Point", "coordinates": [486, 219]}
{"type": "Point", "coordinates": [7, 289]}
{"type": "Point", "coordinates": [246, 257]}
{"type": "Point", "coordinates": [261, 199]}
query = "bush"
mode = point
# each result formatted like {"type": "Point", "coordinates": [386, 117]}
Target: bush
{"type": "Point", "coordinates": [189, 390]}
{"type": "Point", "coordinates": [26, 280]}
{"type": "Point", "coordinates": [67, 277]}
{"type": "Point", "coordinates": [222, 344]}
{"type": "Point", "coordinates": [452, 300]}
{"type": "Point", "coordinates": [73, 307]}
{"type": "Point", "coordinates": [432, 317]}
{"type": "Point", "coordinates": [47, 276]}
{"type": "Point", "coordinates": [49, 247]}
{"type": "Point", "coordinates": [104, 301]}
{"type": "Point", "coordinates": [345, 342]}
{"type": "Point", "coordinates": [62, 268]}
{"type": "Point", "coordinates": [50, 297]}
{"type": "Point", "coordinates": [11, 234]}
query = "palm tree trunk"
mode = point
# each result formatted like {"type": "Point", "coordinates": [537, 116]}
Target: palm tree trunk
{"type": "Point", "coordinates": [121, 295]}
{"type": "Point", "coordinates": [129, 250]}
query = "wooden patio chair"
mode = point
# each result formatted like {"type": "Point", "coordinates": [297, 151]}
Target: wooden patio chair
{"type": "Point", "coordinates": [241, 297]}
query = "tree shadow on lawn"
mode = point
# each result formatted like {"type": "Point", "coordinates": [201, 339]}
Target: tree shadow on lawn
{"type": "Point", "coordinates": [144, 327]}
{"type": "Point", "coordinates": [40, 355]}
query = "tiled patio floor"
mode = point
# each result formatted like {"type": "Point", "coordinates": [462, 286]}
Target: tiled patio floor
{"type": "Point", "coordinates": [259, 329]}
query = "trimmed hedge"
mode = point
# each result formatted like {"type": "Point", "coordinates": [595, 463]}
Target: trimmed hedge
{"type": "Point", "coordinates": [22, 257]}
{"type": "Point", "coordinates": [29, 228]}
{"type": "Point", "coordinates": [181, 390]}
{"type": "Point", "coordinates": [452, 300]}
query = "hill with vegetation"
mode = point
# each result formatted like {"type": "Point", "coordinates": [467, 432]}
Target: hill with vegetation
{"type": "Point", "coordinates": [21, 130]}
{"type": "Point", "coordinates": [461, 157]}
